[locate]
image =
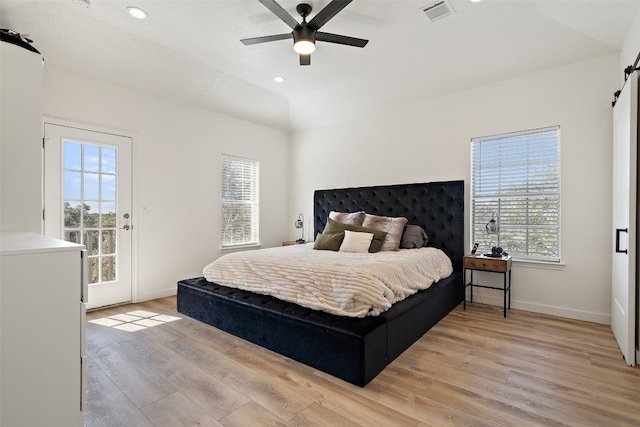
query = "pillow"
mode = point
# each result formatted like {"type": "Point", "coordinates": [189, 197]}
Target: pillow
{"type": "Point", "coordinates": [334, 227]}
{"type": "Point", "coordinates": [414, 236]}
{"type": "Point", "coordinates": [356, 242]}
{"type": "Point", "coordinates": [393, 226]}
{"type": "Point", "coordinates": [354, 218]}
{"type": "Point", "coordinates": [328, 242]}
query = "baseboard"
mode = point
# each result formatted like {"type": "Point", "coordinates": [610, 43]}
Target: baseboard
{"type": "Point", "coordinates": [544, 309]}
{"type": "Point", "coordinates": [147, 296]}
{"type": "Point", "coordinates": [482, 299]}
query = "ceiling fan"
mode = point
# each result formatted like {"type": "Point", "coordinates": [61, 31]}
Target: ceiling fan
{"type": "Point", "coordinates": [305, 34]}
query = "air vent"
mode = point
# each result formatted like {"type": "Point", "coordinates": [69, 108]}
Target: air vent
{"type": "Point", "coordinates": [438, 10]}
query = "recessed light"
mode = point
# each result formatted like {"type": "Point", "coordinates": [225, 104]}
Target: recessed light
{"type": "Point", "coordinates": [136, 12]}
{"type": "Point", "coordinates": [278, 79]}
{"type": "Point", "coordinates": [475, 1]}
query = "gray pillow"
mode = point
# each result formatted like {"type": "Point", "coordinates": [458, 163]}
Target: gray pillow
{"type": "Point", "coordinates": [354, 218]}
{"type": "Point", "coordinates": [414, 236]}
{"type": "Point", "coordinates": [393, 226]}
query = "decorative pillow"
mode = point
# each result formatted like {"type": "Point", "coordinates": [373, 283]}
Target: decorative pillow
{"type": "Point", "coordinates": [356, 242]}
{"type": "Point", "coordinates": [354, 218]}
{"type": "Point", "coordinates": [334, 227]}
{"type": "Point", "coordinates": [414, 236]}
{"type": "Point", "coordinates": [328, 242]}
{"type": "Point", "coordinates": [394, 226]}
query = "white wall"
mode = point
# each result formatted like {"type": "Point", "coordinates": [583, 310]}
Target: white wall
{"type": "Point", "coordinates": [631, 47]}
{"type": "Point", "coordinates": [176, 166]}
{"type": "Point", "coordinates": [20, 139]}
{"type": "Point", "coordinates": [177, 150]}
{"type": "Point", "coordinates": [429, 141]}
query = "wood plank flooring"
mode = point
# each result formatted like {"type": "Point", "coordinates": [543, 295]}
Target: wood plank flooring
{"type": "Point", "coordinates": [473, 368]}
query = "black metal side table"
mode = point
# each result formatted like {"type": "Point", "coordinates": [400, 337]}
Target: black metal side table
{"type": "Point", "coordinates": [491, 264]}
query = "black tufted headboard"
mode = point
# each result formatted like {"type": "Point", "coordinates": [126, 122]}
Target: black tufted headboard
{"type": "Point", "coordinates": [438, 207]}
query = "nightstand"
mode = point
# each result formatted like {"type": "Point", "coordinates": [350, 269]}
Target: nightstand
{"type": "Point", "coordinates": [500, 265]}
{"type": "Point", "coordinates": [292, 242]}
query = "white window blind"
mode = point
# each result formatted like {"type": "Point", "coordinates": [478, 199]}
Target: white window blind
{"type": "Point", "coordinates": [517, 177]}
{"type": "Point", "coordinates": [240, 207]}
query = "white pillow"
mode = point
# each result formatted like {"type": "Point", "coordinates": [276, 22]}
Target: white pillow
{"type": "Point", "coordinates": [356, 242]}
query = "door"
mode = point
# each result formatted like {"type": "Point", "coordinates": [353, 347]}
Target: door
{"type": "Point", "coordinates": [625, 159]}
{"type": "Point", "coordinates": [87, 199]}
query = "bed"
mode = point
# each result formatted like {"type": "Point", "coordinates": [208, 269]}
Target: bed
{"type": "Point", "coordinates": [353, 349]}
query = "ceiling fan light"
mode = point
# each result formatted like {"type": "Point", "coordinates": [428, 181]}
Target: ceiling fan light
{"type": "Point", "coordinates": [304, 46]}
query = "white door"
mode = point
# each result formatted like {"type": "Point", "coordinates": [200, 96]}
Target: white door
{"type": "Point", "coordinates": [87, 199]}
{"type": "Point", "coordinates": [625, 159]}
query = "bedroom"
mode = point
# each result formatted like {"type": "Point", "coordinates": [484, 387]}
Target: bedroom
{"type": "Point", "coordinates": [580, 91]}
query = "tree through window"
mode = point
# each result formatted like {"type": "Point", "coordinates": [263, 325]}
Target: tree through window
{"type": "Point", "coordinates": [240, 218]}
{"type": "Point", "coordinates": [517, 177]}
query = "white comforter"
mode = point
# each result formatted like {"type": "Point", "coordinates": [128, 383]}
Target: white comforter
{"type": "Point", "coordinates": [346, 284]}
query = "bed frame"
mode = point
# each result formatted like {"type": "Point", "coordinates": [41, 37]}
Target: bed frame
{"type": "Point", "coordinates": [353, 349]}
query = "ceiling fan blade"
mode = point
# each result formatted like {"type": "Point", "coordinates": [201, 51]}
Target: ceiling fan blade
{"type": "Point", "coordinates": [305, 59]}
{"type": "Point", "coordinates": [336, 38]}
{"type": "Point", "coordinates": [279, 11]}
{"type": "Point", "coordinates": [327, 13]}
{"type": "Point", "coordinates": [264, 39]}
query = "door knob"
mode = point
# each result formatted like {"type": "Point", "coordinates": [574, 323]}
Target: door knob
{"type": "Point", "coordinates": [125, 227]}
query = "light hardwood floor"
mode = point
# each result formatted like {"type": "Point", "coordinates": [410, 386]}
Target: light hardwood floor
{"type": "Point", "coordinates": [473, 368]}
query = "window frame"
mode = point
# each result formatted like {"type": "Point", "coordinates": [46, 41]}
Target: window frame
{"type": "Point", "coordinates": [546, 194]}
{"type": "Point", "coordinates": [249, 196]}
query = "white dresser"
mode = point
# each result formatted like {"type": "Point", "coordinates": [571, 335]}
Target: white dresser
{"type": "Point", "coordinates": [42, 315]}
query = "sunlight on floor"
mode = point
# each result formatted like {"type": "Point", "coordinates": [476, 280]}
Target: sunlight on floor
{"type": "Point", "coordinates": [135, 320]}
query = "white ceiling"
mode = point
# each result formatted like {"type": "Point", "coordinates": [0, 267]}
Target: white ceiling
{"type": "Point", "coordinates": [190, 50]}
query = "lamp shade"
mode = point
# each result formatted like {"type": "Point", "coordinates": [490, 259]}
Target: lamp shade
{"type": "Point", "coordinates": [304, 40]}
{"type": "Point", "coordinates": [300, 224]}
{"type": "Point", "coordinates": [304, 46]}
{"type": "Point", "coordinates": [493, 227]}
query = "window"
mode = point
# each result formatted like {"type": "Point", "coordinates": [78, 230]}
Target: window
{"type": "Point", "coordinates": [89, 188]}
{"type": "Point", "coordinates": [240, 217]}
{"type": "Point", "coordinates": [516, 177]}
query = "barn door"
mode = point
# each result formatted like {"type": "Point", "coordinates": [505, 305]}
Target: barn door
{"type": "Point", "coordinates": [625, 261]}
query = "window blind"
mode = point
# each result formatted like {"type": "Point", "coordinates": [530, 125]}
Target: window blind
{"type": "Point", "coordinates": [517, 177]}
{"type": "Point", "coordinates": [240, 197]}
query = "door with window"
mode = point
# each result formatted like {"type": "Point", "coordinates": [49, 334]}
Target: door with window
{"type": "Point", "coordinates": [87, 199]}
